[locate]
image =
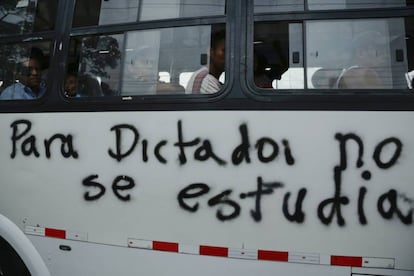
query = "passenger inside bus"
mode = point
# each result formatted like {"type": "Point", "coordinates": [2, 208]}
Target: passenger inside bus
{"type": "Point", "coordinates": [28, 78]}
{"type": "Point", "coordinates": [71, 85]}
{"type": "Point", "coordinates": [206, 80]}
{"type": "Point", "coordinates": [271, 53]}
{"type": "Point", "coordinates": [261, 78]}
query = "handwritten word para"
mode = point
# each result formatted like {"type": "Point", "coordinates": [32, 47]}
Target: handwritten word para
{"type": "Point", "coordinates": [28, 143]}
{"type": "Point", "coordinates": [267, 149]}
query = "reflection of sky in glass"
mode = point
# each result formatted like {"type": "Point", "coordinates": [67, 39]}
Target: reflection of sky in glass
{"type": "Point", "coordinates": [291, 79]}
{"type": "Point", "coordinates": [264, 6]}
{"type": "Point", "coordinates": [122, 11]}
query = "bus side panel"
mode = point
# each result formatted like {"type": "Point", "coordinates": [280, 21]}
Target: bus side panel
{"type": "Point", "coordinates": [318, 183]}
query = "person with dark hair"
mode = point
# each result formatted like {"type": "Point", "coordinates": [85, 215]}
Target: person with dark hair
{"type": "Point", "coordinates": [206, 80]}
{"type": "Point", "coordinates": [71, 85]}
{"type": "Point", "coordinates": [28, 84]}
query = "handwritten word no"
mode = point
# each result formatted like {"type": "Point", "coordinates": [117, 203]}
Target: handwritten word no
{"type": "Point", "coordinates": [333, 205]}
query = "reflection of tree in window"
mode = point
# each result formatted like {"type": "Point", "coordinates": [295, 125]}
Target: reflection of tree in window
{"type": "Point", "coordinates": [25, 16]}
{"type": "Point", "coordinates": [10, 58]}
{"type": "Point", "coordinates": [17, 16]}
{"type": "Point", "coordinates": [98, 56]}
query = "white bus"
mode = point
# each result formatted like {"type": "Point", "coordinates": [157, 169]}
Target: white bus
{"type": "Point", "coordinates": [206, 137]}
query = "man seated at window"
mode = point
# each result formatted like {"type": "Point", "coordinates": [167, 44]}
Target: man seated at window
{"type": "Point", "coordinates": [28, 85]}
{"type": "Point", "coordinates": [206, 80]}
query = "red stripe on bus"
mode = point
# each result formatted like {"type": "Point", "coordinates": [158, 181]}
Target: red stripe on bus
{"type": "Point", "coordinates": [214, 251]}
{"type": "Point", "coordinates": [165, 246]}
{"type": "Point", "coordinates": [281, 256]}
{"type": "Point", "coordinates": [346, 261]}
{"type": "Point", "coordinates": [55, 233]}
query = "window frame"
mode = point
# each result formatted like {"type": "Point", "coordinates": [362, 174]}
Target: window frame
{"type": "Point", "coordinates": [55, 39]}
{"type": "Point", "coordinates": [326, 99]}
{"type": "Point", "coordinates": [122, 28]}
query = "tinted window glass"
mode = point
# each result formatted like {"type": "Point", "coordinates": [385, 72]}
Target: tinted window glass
{"type": "Point", "coordinates": [98, 12]}
{"type": "Point", "coordinates": [26, 16]}
{"type": "Point", "coordinates": [23, 71]}
{"type": "Point", "coordinates": [356, 4]}
{"type": "Point", "coordinates": [278, 55]}
{"type": "Point", "coordinates": [265, 6]}
{"type": "Point", "coordinates": [340, 54]}
{"type": "Point", "coordinates": [148, 62]}
{"type": "Point", "coordinates": [365, 53]}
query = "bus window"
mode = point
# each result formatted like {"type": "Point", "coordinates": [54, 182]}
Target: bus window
{"type": "Point", "coordinates": [356, 4]}
{"type": "Point", "coordinates": [266, 6]}
{"type": "Point", "coordinates": [145, 62]}
{"type": "Point", "coordinates": [26, 16]}
{"type": "Point", "coordinates": [23, 73]}
{"type": "Point", "coordinates": [340, 54]}
{"type": "Point", "coordinates": [363, 53]}
{"type": "Point", "coordinates": [95, 62]}
{"type": "Point", "coordinates": [98, 12]}
{"type": "Point", "coordinates": [278, 55]}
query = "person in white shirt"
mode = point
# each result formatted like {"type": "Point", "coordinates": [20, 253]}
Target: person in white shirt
{"type": "Point", "coordinates": [206, 80]}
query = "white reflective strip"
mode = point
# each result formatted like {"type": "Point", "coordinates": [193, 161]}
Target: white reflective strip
{"type": "Point", "coordinates": [242, 254]}
{"type": "Point", "coordinates": [237, 253]}
{"type": "Point", "coordinates": [76, 236]}
{"type": "Point", "coordinates": [378, 262]}
{"type": "Point", "coordinates": [324, 259]}
{"type": "Point", "coordinates": [32, 230]}
{"type": "Point", "coordinates": [140, 244]}
{"type": "Point", "coordinates": [307, 258]}
{"type": "Point", "coordinates": [188, 249]}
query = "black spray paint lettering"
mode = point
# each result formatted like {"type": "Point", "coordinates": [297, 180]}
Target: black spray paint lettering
{"type": "Point", "coordinates": [391, 198]}
{"type": "Point", "coordinates": [28, 142]}
{"type": "Point", "coordinates": [120, 186]}
{"type": "Point", "coordinates": [230, 209]}
{"type": "Point", "coordinates": [222, 199]}
{"type": "Point", "coordinates": [202, 153]}
{"type": "Point", "coordinates": [333, 205]}
{"type": "Point", "coordinates": [262, 189]}
{"type": "Point", "coordinates": [122, 151]}
{"type": "Point", "coordinates": [192, 191]}
{"type": "Point", "coordinates": [298, 216]}
{"type": "Point", "coordinates": [267, 149]}
{"type": "Point", "coordinates": [241, 153]}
